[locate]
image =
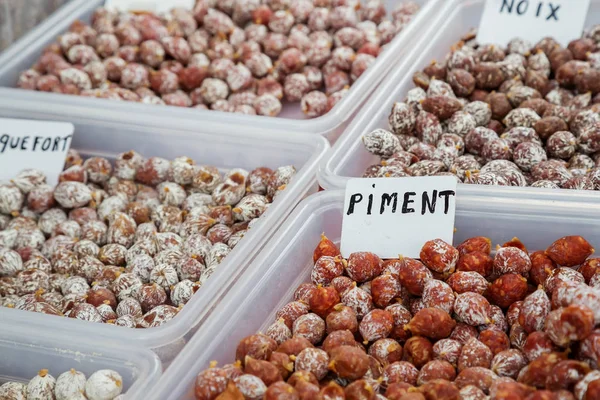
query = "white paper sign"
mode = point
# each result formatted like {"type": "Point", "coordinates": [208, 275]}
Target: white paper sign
{"type": "Point", "coordinates": [27, 144]}
{"type": "Point", "coordinates": [532, 20]}
{"type": "Point", "coordinates": [155, 6]}
{"type": "Point", "coordinates": [396, 216]}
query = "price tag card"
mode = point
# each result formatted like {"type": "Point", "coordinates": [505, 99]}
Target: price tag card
{"type": "Point", "coordinates": [155, 6]}
{"type": "Point", "coordinates": [28, 144]}
{"type": "Point", "coordinates": [533, 20]}
{"type": "Point", "coordinates": [396, 216]}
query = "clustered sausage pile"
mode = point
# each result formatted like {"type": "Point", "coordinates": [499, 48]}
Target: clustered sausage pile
{"type": "Point", "coordinates": [104, 384]}
{"type": "Point", "coordinates": [129, 244]}
{"type": "Point", "coordinates": [240, 56]}
{"type": "Point", "coordinates": [523, 115]}
{"type": "Point", "coordinates": [460, 323]}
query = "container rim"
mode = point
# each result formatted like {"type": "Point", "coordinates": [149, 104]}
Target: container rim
{"type": "Point", "coordinates": [328, 175]}
{"type": "Point", "coordinates": [148, 364]}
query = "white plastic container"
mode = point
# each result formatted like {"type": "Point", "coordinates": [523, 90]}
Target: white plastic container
{"type": "Point", "coordinates": [349, 159]}
{"type": "Point", "coordinates": [17, 17]}
{"type": "Point", "coordinates": [26, 351]}
{"type": "Point", "coordinates": [28, 50]}
{"type": "Point", "coordinates": [270, 281]}
{"type": "Point", "coordinates": [236, 149]}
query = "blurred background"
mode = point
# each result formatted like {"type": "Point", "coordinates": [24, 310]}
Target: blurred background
{"type": "Point", "coordinates": [17, 17]}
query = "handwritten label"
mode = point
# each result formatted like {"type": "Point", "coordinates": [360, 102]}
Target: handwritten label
{"type": "Point", "coordinates": [393, 216]}
{"type": "Point", "coordinates": [155, 6]}
{"type": "Point", "coordinates": [27, 144]}
{"type": "Point", "coordinates": [532, 20]}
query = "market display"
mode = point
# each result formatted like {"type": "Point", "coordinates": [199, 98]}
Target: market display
{"type": "Point", "coordinates": [459, 323]}
{"type": "Point", "coordinates": [71, 385]}
{"type": "Point", "coordinates": [245, 56]}
{"type": "Point", "coordinates": [129, 241]}
{"type": "Point", "coordinates": [127, 244]}
{"type": "Point", "coordinates": [520, 115]}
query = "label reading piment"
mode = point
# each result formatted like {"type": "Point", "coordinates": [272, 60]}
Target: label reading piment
{"type": "Point", "coordinates": [504, 20]}
{"type": "Point", "coordinates": [155, 6]}
{"type": "Point", "coordinates": [396, 216]}
{"type": "Point", "coordinates": [28, 144]}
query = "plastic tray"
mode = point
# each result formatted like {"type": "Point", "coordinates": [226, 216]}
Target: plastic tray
{"type": "Point", "coordinates": [350, 159]}
{"type": "Point", "coordinates": [269, 282]}
{"type": "Point", "coordinates": [23, 55]}
{"type": "Point", "coordinates": [25, 352]}
{"type": "Point", "coordinates": [237, 149]}
{"type": "Point", "coordinates": [17, 17]}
